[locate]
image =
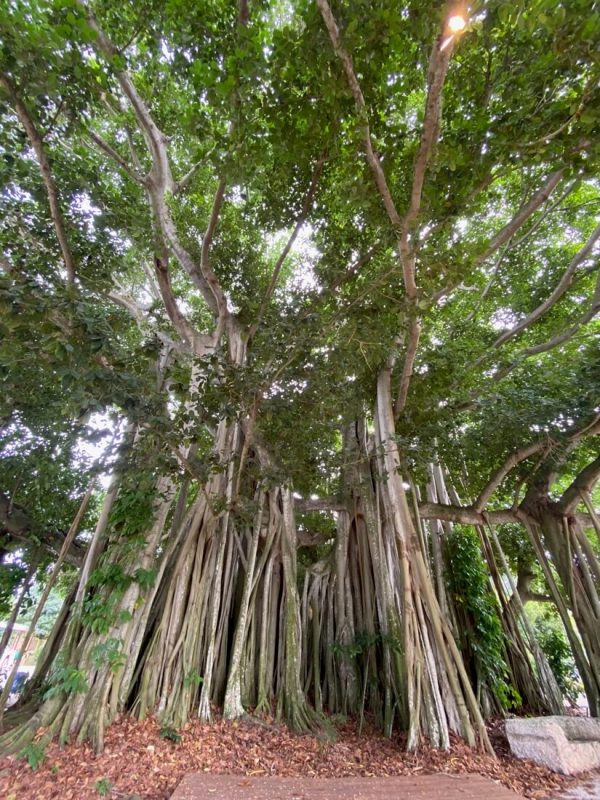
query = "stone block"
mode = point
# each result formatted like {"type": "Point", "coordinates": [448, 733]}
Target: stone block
{"type": "Point", "coordinates": [564, 744]}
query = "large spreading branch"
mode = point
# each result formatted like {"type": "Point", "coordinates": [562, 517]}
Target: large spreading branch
{"type": "Point", "coordinates": [142, 319]}
{"type": "Point", "coordinates": [466, 515]}
{"type": "Point", "coordinates": [160, 183]}
{"type": "Point", "coordinates": [555, 341]}
{"type": "Point", "coordinates": [180, 323]}
{"type": "Point", "coordinates": [563, 285]}
{"type": "Point", "coordinates": [583, 483]}
{"type": "Point", "coordinates": [543, 347]}
{"type": "Point", "coordinates": [519, 219]}
{"type": "Point", "coordinates": [438, 68]}
{"type": "Point", "coordinates": [439, 62]}
{"type": "Point", "coordinates": [110, 151]}
{"type": "Point", "coordinates": [437, 71]}
{"type": "Point", "coordinates": [522, 454]}
{"type": "Point", "coordinates": [211, 278]}
{"type": "Point", "coordinates": [37, 144]}
{"type": "Point", "coordinates": [442, 511]}
{"type": "Point", "coordinates": [372, 157]}
{"type": "Point", "coordinates": [197, 343]}
{"type": "Point", "coordinates": [476, 513]}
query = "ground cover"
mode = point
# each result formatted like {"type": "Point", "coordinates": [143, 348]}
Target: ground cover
{"type": "Point", "coordinates": [142, 761]}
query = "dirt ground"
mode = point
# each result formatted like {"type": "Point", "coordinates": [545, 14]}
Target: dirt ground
{"type": "Point", "coordinates": [141, 762]}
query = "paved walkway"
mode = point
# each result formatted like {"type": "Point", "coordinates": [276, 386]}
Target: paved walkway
{"type": "Point", "coordinates": [425, 787]}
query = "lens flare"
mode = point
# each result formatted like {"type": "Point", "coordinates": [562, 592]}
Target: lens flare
{"type": "Point", "coordinates": [456, 23]}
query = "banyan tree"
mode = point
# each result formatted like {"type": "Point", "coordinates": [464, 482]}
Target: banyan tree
{"type": "Point", "coordinates": [299, 338]}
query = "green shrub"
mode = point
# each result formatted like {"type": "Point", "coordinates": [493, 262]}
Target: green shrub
{"type": "Point", "coordinates": [553, 641]}
{"type": "Point", "coordinates": [103, 787]}
{"type": "Point", "coordinates": [34, 754]}
{"type": "Point", "coordinates": [481, 635]}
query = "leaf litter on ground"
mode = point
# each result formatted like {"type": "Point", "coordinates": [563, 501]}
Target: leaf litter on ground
{"type": "Point", "coordinates": [138, 762]}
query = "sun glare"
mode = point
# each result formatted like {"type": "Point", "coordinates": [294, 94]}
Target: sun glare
{"type": "Point", "coordinates": [456, 23]}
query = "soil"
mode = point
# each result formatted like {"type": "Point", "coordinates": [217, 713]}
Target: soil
{"type": "Point", "coordinates": [142, 762]}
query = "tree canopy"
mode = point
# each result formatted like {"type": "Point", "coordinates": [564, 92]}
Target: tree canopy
{"type": "Point", "coordinates": [318, 285]}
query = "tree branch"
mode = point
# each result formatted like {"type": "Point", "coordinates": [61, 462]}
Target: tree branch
{"type": "Point", "coordinates": [209, 275]}
{"type": "Point", "coordinates": [320, 504]}
{"type": "Point", "coordinates": [583, 483]}
{"type": "Point", "coordinates": [16, 522]}
{"type": "Point", "coordinates": [437, 71]}
{"type": "Point", "coordinates": [116, 157]}
{"type": "Point", "coordinates": [589, 88]}
{"type": "Point", "coordinates": [543, 347]}
{"type": "Point", "coordinates": [142, 320]}
{"type": "Point", "coordinates": [522, 215]}
{"type": "Point", "coordinates": [436, 75]}
{"type": "Point", "coordinates": [154, 137]}
{"type": "Point", "coordinates": [372, 158]}
{"type": "Point", "coordinates": [408, 368]}
{"type": "Point", "coordinates": [160, 183]}
{"type": "Point", "coordinates": [498, 476]}
{"type": "Point", "coordinates": [36, 141]}
{"type": "Point", "coordinates": [467, 516]}
{"type": "Point", "coordinates": [184, 182]}
{"type": "Point", "coordinates": [290, 242]}
{"type": "Point", "coordinates": [563, 337]}
{"type": "Point", "coordinates": [559, 291]}
{"type": "Point", "coordinates": [180, 323]}
{"type": "Point", "coordinates": [511, 245]}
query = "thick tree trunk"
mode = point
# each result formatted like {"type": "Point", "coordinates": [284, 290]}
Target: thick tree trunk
{"type": "Point", "coordinates": [437, 689]}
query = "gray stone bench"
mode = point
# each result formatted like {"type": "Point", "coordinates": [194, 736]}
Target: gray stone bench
{"type": "Point", "coordinates": [564, 744]}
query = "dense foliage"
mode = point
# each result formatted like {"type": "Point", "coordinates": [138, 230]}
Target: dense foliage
{"type": "Point", "coordinates": [312, 284]}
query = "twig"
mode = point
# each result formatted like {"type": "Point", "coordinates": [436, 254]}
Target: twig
{"type": "Point", "coordinates": [116, 157]}
{"type": "Point", "coordinates": [288, 246]}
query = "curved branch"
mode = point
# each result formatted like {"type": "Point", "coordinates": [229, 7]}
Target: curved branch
{"type": "Point", "coordinates": [522, 215]}
{"type": "Point", "coordinates": [372, 157]}
{"type": "Point", "coordinates": [436, 76]}
{"type": "Point", "coordinates": [180, 323]}
{"type": "Point", "coordinates": [184, 182]}
{"type": "Point", "coordinates": [583, 483]}
{"type": "Point", "coordinates": [209, 275]}
{"type": "Point", "coordinates": [142, 320]}
{"type": "Point", "coordinates": [159, 182]}
{"type": "Point", "coordinates": [511, 245]}
{"type": "Point", "coordinates": [36, 141]}
{"type": "Point", "coordinates": [498, 476]}
{"type": "Point", "coordinates": [559, 291]}
{"type": "Point", "coordinates": [543, 347]}
{"type": "Point", "coordinates": [320, 504]}
{"type": "Point", "coordinates": [563, 337]}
